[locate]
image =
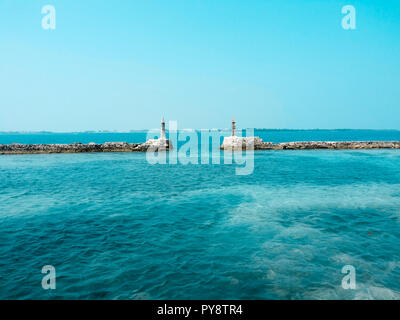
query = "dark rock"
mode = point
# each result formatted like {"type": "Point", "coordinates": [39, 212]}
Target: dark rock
{"type": "Point", "coordinates": [17, 148]}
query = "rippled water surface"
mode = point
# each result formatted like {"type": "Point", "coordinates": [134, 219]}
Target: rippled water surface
{"type": "Point", "coordinates": [116, 227]}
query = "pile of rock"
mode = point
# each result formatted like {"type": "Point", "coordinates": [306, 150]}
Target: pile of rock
{"type": "Point", "coordinates": [151, 145]}
{"type": "Point", "coordinates": [255, 143]}
{"type": "Point", "coordinates": [301, 145]}
{"type": "Point", "coordinates": [154, 145]}
{"type": "Point", "coordinates": [243, 143]}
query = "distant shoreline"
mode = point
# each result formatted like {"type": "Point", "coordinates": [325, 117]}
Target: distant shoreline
{"type": "Point", "coordinates": [180, 130]}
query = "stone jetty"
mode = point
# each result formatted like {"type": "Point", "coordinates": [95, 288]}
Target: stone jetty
{"type": "Point", "coordinates": [163, 144]}
{"type": "Point", "coordinates": [255, 143]}
{"type": "Point", "coordinates": [237, 143]}
{"type": "Point", "coordinates": [152, 145]}
{"type": "Point", "coordinates": [17, 148]}
{"type": "Point", "coordinates": [340, 145]}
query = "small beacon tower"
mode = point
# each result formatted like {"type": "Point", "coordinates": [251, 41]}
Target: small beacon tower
{"type": "Point", "coordinates": [233, 127]}
{"type": "Point", "coordinates": [163, 129]}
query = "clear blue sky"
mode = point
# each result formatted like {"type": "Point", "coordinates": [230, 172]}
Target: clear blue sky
{"type": "Point", "coordinates": [121, 65]}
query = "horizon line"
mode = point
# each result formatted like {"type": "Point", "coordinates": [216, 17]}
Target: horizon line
{"type": "Point", "coordinates": [188, 129]}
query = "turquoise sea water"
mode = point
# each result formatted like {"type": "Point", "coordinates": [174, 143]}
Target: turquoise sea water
{"type": "Point", "coordinates": [116, 227]}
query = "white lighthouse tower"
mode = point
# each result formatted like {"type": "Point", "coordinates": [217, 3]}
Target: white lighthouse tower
{"type": "Point", "coordinates": [163, 129]}
{"type": "Point", "coordinates": [233, 127]}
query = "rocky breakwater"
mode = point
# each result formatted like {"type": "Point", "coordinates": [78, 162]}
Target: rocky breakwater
{"type": "Point", "coordinates": [149, 146]}
{"type": "Point", "coordinates": [255, 143]}
{"type": "Point", "coordinates": [338, 145]}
